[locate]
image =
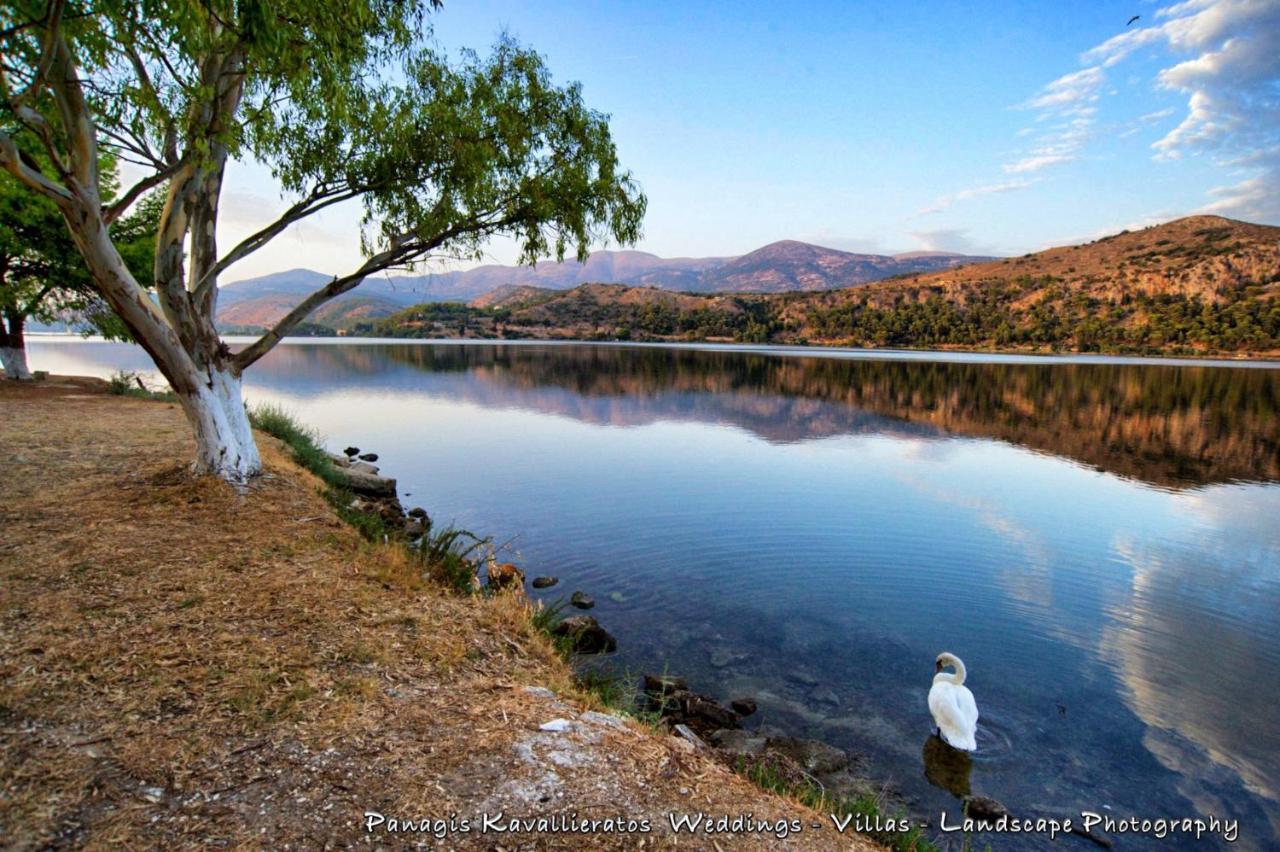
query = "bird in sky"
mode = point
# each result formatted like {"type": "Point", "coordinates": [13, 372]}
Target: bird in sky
{"type": "Point", "coordinates": [1134, 18]}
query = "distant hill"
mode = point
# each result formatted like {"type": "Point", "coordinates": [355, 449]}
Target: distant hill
{"type": "Point", "coordinates": [510, 295]}
{"type": "Point", "coordinates": [776, 268]}
{"type": "Point", "coordinates": [258, 303]}
{"type": "Point", "coordinates": [789, 265]}
{"type": "Point", "coordinates": [1199, 281]}
{"type": "Point", "coordinates": [1202, 284]}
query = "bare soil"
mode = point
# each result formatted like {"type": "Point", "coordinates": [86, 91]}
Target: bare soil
{"type": "Point", "coordinates": [183, 664]}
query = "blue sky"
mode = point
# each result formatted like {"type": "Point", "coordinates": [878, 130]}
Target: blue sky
{"type": "Point", "coordinates": [995, 128]}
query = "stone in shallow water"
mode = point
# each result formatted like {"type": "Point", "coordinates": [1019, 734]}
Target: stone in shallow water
{"type": "Point", "coordinates": [617, 597]}
{"type": "Point", "coordinates": [743, 706]}
{"type": "Point", "coordinates": [587, 635]}
{"type": "Point", "coordinates": [721, 657]}
{"type": "Point", "coordinates": [661, 685]}
{"type": "Point", "coordinates": [815, 756]}
{"type": "Point", "coordinates": [582, 600]}
{"type": "Point", "coordinates": [545, 582]}
{"type": "Point", "coordinates": [803, 677]}
{"type": "Point", "coordinates": [739, 742]}
{"type": "Point", "coordinates": [985, 807]}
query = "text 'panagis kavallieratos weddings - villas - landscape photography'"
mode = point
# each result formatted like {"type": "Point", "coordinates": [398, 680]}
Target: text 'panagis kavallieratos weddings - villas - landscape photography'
{"type": "Point", "coordinates": [467, 424]}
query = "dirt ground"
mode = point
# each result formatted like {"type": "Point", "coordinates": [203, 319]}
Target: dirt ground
{"type": "Point", "coordinates": [184, 665]}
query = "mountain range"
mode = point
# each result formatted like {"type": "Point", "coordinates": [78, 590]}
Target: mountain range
{"type": "Point", "coordinates": [779, 267]}
{"type": "Point", "coordinates": [1197, 285]}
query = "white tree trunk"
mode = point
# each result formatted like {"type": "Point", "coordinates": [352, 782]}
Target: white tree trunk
{"type": "Point", "coordinates": [224, 439]}
{"type": "Point", "coordinates": [14, 361]}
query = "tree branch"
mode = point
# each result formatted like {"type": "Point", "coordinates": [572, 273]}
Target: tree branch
{"type": "Point", "coordinates": [12, 160]}
{"type": "Point", "coordinates": [296, 213]}
{"type": "Point", "coordinates": [403, 248]}
{"type": "Point", "coordinates": [51, 23]}
{"type": "Point", "coordinates": [114, 211]}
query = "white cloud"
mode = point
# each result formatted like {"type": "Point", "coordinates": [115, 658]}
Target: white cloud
{"type": "Point", "coordinates": [951, 240]}
{"type": "Point", "coordinates": [1067, 102]}
{"type": "Point", "coordinates": [946, 201]}
{"type": "Point", "coordinates": [1069, 91]}
{"type": "Point", "coordinates": [1228, 67]}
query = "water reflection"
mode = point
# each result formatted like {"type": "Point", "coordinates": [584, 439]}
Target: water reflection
{"type": "Point", "coordinates": [945, 767]}
{"type": "Point", "coordinates": [1168, 425]}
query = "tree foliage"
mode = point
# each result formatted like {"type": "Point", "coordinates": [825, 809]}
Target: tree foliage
{"type": "Point", "coordinates": [345, 101]}
{"type": "Point", "coordinates": [42, 274]}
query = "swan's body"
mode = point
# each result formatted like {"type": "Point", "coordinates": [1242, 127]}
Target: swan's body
{"type": "Point", "coordinates": [952, 705]}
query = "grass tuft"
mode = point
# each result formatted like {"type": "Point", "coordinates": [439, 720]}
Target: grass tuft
{"type": "Point", "coordinates": [450, 556]}
{"type": "Point", "coordinates": [126, 383]}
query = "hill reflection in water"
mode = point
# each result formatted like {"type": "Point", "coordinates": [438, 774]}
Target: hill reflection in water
{"type": "Point", "coordinates": [1168, 425]}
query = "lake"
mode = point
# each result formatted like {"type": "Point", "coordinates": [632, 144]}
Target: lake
{"type": "Point", "coordinates": [1097, 540]}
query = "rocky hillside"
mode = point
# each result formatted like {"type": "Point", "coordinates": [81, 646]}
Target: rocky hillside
{"type": "Point", "coordinates": [1201, 283]}
{"type": "Point", "coordinates": [1197, 285]}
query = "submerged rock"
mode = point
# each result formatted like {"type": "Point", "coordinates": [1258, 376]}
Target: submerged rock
{"type": "Point", "coordinates": [586, 634]}
{"type": "Point", "coordinates": [737, 742]}
{"type": "Point", "coordinates": [617, 597]}
{"type": "Point", "coordinates": [814, 756]}
{"type": "Point", "coordinates": [984, 807]}
{"type": "Point", "coordinates": [582, 600]}
{"type": "Point", "coordinates": [662, 685]}
{"type": "Point", "coordinates": [545, 582]}
{"type": "Point", "coordinates": [673, 701]}
{"type": "Point", "coordinates": [743, 706]}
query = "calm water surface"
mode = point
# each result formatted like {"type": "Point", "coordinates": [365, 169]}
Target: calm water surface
{"type": "Point", "coordinates": [1099, 542]}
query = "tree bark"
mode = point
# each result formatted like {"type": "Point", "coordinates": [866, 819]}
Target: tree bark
{"type": "Point", "coordinates": [224, 438]}
{"type": "Point", "coordinates": [13, 348]}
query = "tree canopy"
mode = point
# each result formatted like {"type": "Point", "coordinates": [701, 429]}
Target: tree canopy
{"type": "Point", "coordinates": [345, 101]}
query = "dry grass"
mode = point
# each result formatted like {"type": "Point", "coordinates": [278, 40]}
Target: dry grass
{"type": "Point", "coordinates": [182, 664]}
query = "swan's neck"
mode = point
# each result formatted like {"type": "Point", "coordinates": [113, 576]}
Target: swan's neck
{"type": "Point", "coordinates": [948, 677]}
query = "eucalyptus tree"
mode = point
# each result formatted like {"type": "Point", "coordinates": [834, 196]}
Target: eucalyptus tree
{"type": "Point", "coordinates": [345, 101]}
{"type": "Point", "coordinates": [43, 276]}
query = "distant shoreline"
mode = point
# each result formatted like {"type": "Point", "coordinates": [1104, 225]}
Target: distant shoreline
{"type": "Point", "coordinates": [1265, 361]}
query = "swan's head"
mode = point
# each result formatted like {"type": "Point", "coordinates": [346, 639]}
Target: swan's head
{"type": "Point", "coordinates": [945, 659]}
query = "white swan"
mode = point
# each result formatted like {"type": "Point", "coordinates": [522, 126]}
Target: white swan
{"type": "Point", "coordinates": [952, 704]}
